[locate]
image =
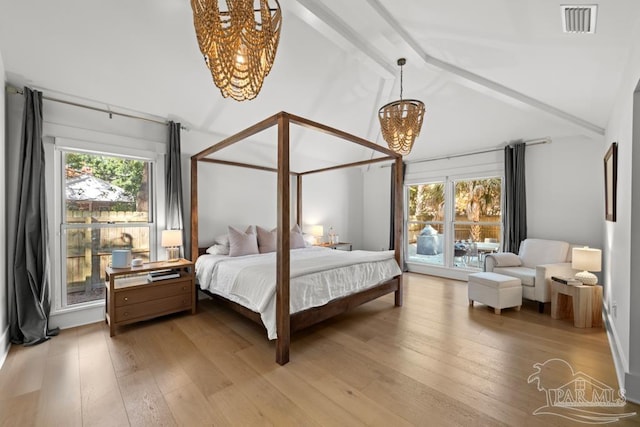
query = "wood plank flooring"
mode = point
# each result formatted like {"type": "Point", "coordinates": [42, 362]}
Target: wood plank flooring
{"type": "Point", "coordinates": [434, 361]}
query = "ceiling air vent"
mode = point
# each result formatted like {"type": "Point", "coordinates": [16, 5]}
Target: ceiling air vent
{"type": "Point", "coordinates": [579, 18]}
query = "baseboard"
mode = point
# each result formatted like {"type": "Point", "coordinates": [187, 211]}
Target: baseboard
{"type": "Point", "coordinates": [5, 345]}
{"type": "Point", "coordinates": [447, 273]}
{"type": "Point", "coordinates": [77, 317]}
{"type": "Point", "coordinates": [619, 360]}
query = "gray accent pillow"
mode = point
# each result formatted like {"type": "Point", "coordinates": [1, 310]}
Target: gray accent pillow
{"type": "Point", "coordinates": [267, 239]}
{"type": "Point", "coordinates": [506, 259]}
{"type": "Point", "coordinates": [242, 243]}
{"type": "Point", "coordinates": [297, 240]}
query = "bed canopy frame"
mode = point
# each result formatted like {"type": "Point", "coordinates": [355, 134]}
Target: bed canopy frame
{"type": "Point", "coordinates": [286, 323]}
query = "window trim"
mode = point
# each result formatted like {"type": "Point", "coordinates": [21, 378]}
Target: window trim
{"type": "Point", "coordinates": [449, 220]}
{"type": "Point", "coordinates": [57, 214]}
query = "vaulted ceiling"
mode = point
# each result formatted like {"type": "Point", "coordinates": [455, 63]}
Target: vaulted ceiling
{"type": "Point", "coordinates": [488, 71]}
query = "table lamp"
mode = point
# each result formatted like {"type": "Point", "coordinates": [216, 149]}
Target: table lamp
{"type": "Point", "coordinates": [586, 259]}
{"type": "Point", "coordinates": [317, 231]}
{"type": "Point", "coordinates": [172, 240]}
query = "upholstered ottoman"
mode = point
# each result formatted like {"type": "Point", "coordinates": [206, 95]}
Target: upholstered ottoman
{"type": "Point", "coordinates": [495, 290]}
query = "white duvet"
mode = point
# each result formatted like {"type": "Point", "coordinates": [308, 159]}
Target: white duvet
{"type": "Point", "coordinates": [318, 275]}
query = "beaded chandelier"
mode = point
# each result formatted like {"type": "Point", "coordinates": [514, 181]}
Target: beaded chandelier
{"type": "Point", "coordinates": [401, 121]}
{"type": "Point", "coordinates": [239, 44]}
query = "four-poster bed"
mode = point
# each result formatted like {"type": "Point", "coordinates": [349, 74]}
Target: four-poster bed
{"type": "Point", "coordinates": [287, 323]}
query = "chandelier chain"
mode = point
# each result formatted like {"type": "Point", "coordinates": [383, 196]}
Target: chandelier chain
{"type": "Point", "coordinates": [401, 83]}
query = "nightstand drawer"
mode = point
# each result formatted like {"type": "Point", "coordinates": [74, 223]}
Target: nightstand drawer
{"type": "Point", "coordinates": [153, 308]}
{"type": "Point", "coordinates": [153, 292]}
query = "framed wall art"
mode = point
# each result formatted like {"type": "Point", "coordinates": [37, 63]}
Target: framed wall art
{"type": "Point", "coordinates": [610, 182]}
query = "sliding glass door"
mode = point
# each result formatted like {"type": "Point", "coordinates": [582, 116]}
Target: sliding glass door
{"type": "Point", "coordinates": [454, 223]}
{"type": "Point", "coordinates": [425, 224]}
{"type": "Point", "coordinates": [477, 220]}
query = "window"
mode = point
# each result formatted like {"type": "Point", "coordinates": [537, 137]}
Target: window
{"type": "Point", "coordinates": [425, 225]}
{"type": "Point", "coordinates": [107, 204]}
{"type": "Point", "coordinates": [454, 222]}
{"type": "Point", "coordinates": [477, 221]}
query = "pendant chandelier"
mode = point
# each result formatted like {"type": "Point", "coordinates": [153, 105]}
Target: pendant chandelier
{"type": "Point", "coordinates": [239, 44]}
{"type": "Point", "coordinates": [401, 121]}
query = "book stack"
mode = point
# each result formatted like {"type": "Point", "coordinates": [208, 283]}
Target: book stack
{"type": "Point", "coordinates": [158, 275]}
{"type": "Point", "coordinates": [567, 280]}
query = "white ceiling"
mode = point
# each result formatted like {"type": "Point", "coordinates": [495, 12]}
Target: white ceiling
{"type": "Point", "coordinates": [488, 71]}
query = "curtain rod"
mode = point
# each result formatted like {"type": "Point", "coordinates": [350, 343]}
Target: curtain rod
{"type": "Point", "coordinates": [15, 90]}
{"type": "Point", "coordinates": [537, 141]}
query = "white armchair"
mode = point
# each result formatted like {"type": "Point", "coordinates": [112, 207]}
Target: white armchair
{"type": "Point", "coordinates": [536, 262]}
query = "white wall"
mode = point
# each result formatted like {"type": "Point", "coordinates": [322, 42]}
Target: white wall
{"type": "Point", "coordinates": [621, 257]}
{"type": "Point", "coordinates": [565, 191]}
{"type": "Point", "coordinates": [239, 196]}
{"type": "Point", "coordinates": [376, 207]}
{"type": "Point", "coordinates": [335, 199]}
{"type": "Point", "coordinates": [4, 324]}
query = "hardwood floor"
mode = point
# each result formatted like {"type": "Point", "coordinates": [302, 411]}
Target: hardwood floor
{"type": "Point", "coordinates": [434, 361]}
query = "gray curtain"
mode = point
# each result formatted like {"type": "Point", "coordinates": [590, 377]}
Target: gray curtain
{"type": "Point", "coordinates": [174, 181]}
{"type": "Point", "coordinates": [29, 302]}
{"type": "Point", "coordinates": [514, 218]}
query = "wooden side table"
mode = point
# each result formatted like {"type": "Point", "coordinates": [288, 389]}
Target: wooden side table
{"type": "Point", "coordinates": [131, 298]}
{"type": "Point", "coordinates": [583, 301]}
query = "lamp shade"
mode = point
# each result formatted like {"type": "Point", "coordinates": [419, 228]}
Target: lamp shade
{"type": "Point", "coordinates": [586, 259]}
{"type": "Point", "coordinates": [317, 230]}
{"type": "Point", "coordinates": [171, 238]}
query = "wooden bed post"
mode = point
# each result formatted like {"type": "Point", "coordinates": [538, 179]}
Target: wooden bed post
{"type": "Point", "coordinates": [299, 200]}
{"type": "Point", "coordinates": [194, 209]}
{"type": "Point", "coordinates": [283, 320]}
{"type": "Point", "coordinates": [398, 221]}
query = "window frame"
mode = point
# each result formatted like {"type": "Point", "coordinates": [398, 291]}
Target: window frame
{"type": "Point", "coordinates": [455, 223]}
{"type": "Point", "coordinates": [449, 220]}
{"type": "Point", "coordinates": [61, 226]}
{"type": "Point", "coordinates": [443, 223]}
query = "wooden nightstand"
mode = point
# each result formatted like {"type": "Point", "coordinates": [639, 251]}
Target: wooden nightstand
{"type": "Point", "coordinates": [340, 245]}
{"type": "Point", "coordinates": [131, 298]}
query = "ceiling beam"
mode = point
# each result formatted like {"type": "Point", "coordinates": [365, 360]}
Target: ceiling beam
{"type": "Point", "coordinates": [477, 79]}
{"type": "Point", "coordinates": [330, 25]}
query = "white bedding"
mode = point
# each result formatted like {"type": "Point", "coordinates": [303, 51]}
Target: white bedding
{"type": "Point", "coordinates": [318, 275]}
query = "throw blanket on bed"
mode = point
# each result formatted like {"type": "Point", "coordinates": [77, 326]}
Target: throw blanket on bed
{"type": "Point", "coordinates": [318, 275]}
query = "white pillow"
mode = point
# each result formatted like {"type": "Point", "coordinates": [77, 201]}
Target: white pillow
{"type": "Point", "coordinates": [218, 250]}
{"type": "Point", "coordinates": [309, 239]}
{"type": "Point", "coordinates": [242, 243]}
{"type": "Point", "coordinates": [506, 259]}
{"type": "Point", "coordinates": [267, 240]}
{"type": "Point", "coordinates": [222, 239]}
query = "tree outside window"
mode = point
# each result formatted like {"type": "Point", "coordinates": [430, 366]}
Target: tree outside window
{"type": "Point", "coordinates": [107, 202]}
